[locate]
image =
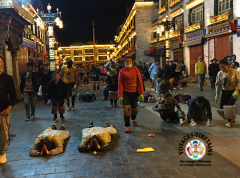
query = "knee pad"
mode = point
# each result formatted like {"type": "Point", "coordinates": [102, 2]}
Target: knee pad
{"type": "Point", "coordinates": [127, 110]}
{"type": "Point", "coordinates": [134, 111]}
{"type": "Point", "coordinates": [54, 110]}
{"type": "Point", "coordinates": [61, 110]}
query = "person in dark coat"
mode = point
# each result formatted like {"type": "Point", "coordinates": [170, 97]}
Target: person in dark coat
{"type": "Point", "coordinates": [57, 93]}
{"type": "Point", "coordinates": [95, 72]}
{"type": "Point", "coordinates": [167, 69]}
{"type": "Point", "coordinates": [213, 70]}
{"type": "Point", "coordinates": [46, 77]}
{"type": "Point", "coordinates": [173, 69]}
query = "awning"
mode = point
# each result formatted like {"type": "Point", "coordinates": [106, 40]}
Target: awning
{"type": "Point", "coordinates": [232, 29]}
{"type": "Point", "coordinates": [159, 51]}
{"type": "Point", "coordinates": [29, 43]}
{"type": "Point", "coordinates": [192, 42]}
{"type": "Point", "coordinates": [174, 46]}
{"type": "Point", "coordinates": [238, 31]}
{"type": "Point", "coordinates": [147, 53]}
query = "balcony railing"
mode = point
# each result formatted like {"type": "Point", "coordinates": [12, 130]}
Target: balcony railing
{"type": "Point", "coordinates": [162, 10]}
{"type": "Point", "coordinates": [219, 18]}
{"type": "Point", "coordinates": [193, 27]}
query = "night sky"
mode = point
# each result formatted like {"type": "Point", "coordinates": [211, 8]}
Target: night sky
{"type": "Point", "coordinates": [77, 18]}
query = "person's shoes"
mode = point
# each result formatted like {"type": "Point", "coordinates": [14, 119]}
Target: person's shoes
{"type": "Point", "coordinates": [168, 120]}
{"type": "Point", "coordinates": [181, 122]}
{"type": "Point", "coordinates": [134, 123]}
{"type": "Point", "coordinates": [33, 116]}
{"type": "Point", "coordinates": [116, 106]}
{"type": "Point", "coordinates": [68, 109]}
{"type": "Point", "coordinates": [63, 119]}
{"type": "Point", "coordinates": [27, 118]}
{"type": "Point", "coordinates": [209, 124]}
{"type": "Point", "coordinates": [3, 159]}
{"type": "Point", "coordinates": [62, 127]}
{"type": "Point", "coordinates": [55, 119]}
{"type": "Point", "coordinates": [108, 124]}
{"type": "Point", "coordinates": [201, 89]}
{"type": "Point", "coordinates": [156, 91]}
{"type": "Point", "coordinates": [229, 124]}
{"type": "Point", "coordinates": [193, 124]}
{"type": "Point", "coordinates": [12, 135]}
{"type": "Point", "coordinates": [221, 113]}
{"type": "Point", "coordinates": [128, 130]}
{"type": "Point", "coordinates": [174, 88]}
{"type": "Point", "coordinates": [54, 126]}
{"type": "Point", "coordinates": [73, 108]}
{"type": "Point", "coordinates": [111, 106]}
{"type": "Point", "coordinates": [91, 124]}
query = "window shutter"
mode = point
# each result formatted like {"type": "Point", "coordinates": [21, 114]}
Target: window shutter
{"type": "Point", "coordinates": [215, 7]}
{"type": "Point", "coordinates": [189, 18]}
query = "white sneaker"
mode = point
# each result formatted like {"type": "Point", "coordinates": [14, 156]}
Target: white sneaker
{"type": "Point", "coordinates": [209, 124]}
{"type": "Point", "coordinates": [156, 91]}
{"type": "Point", "coordinates": [181, 122]}
{"type": "Point", "coordinates": [193, 124]}
{"type": "Point", "coordinates": [3, 159]}
{"type": "Point", "coordinates": [221, 113]}
{"type": "Point", "coordinates": [229, 124]}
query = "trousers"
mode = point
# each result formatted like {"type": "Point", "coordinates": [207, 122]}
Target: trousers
{"type": "Point", "coordinates": [4, 126]}
{"type": "Point", "coordinates": [201, 80]}
{"type": "Point", "coordinates": [227, 98]}
{"type": "Point", "coordinates": [30, 99]}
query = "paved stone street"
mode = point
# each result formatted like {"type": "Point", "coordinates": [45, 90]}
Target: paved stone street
{"type": "Point", "coordinates": [122, 161]}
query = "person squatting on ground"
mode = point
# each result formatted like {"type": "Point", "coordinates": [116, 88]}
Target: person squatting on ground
{"type": "Point", "coordinates": [95, 72]}
{"type": "Point", "coordinates": [29, 88]}
{"type": "Point", "coordinates": [57, 93]}
{"type": "Point", "coordinates": [8, 99]}
{"type": "Point", "coordinates": [67, 74]}
{"type": "Point", "coordinates": [81, 72]}
{"type": "Point", "coordinates": [197, 109]}
{"type": "Point", "coordinates": [166, 108]}
{"type": "Point", "coordinates": [50, 142]}
{"type": "Point", "coordinates": [229, 82]}
{"type": "Point", "coordinates": [46, 77]}
{"type": "Point", "coordinates": [97, 138]}
{"type": "Point", "coordinates": [201, 70]}
{"type": "Point", "coordinates": [112, 80]}
{"type": "Point", "coordinates": [164, 88]}
{"type": "Point", "coordinates": [213, 70]}
{"type": "Point", "coordinates": [129, 86]}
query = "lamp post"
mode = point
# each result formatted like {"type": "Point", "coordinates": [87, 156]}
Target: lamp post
{"type": "Point", "coordinates": [51, 19]}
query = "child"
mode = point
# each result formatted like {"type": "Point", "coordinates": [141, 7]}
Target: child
{"type": "Point", "coordinates": [85, 79]}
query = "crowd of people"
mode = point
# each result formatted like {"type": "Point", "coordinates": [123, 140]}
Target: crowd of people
{"type": "Point", "coordinates": [123, 82]}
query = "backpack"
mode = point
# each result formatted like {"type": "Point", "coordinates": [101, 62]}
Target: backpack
{"type": "Point", "coordinates": [147, 95]}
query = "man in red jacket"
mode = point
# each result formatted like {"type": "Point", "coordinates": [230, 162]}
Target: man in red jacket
{"type": "Point", "coordinates": [129, 86]}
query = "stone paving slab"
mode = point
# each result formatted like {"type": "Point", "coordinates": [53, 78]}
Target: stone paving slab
{"type": "Point", "coordinates": [122, 161]}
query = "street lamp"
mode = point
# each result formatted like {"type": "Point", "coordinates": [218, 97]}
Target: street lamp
{"type": "Point", "coordinates": [51, 19]}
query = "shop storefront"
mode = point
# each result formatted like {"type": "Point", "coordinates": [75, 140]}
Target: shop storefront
{"type": "Point", "coordinates": [194, 40]}
{"type": "Point", "coordinates": [176, 47]}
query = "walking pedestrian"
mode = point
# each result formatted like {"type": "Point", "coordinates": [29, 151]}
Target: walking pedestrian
{"type": "Point", "coordinates": [57, 93]}
{"type": "Point", "coordinates": [173, 69]}
{"type": "Point", "coordinates": [81, 72]}
{"type": "Point", "coordinates": [129, 86]}
{"type": "Point", "coordinates": [29, 88]}
{"type": "Point", "coordinates": [201, 70]}
{"type": "Point", "coordinates": [213, 70]}
{"type": "Point", "coordinates": [95, 72]}
{"type": "Point", "coordinates": [46, 77]}
{"type": "Point", "coordinates": [8, 99]}
{"type": "Point", "coordinates": [67, 74]}
{"type": "Point", "coordinates": [112, 81]}
{"type": "Point", "coordinates": [153, 71]}
{"type": "Point", "coordinates": [229, 82]}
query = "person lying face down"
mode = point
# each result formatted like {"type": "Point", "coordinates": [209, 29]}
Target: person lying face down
{"type": "Point", "coordinates": [50, 142]}
{"type": "Point", "coordinates": [97, 138]}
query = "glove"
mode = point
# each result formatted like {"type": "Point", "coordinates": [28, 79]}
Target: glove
{"type": "Point", "coordinates": [235, 94]}
{"type": "Point", "coordinates": [141, 98]}
{"type": "Point", "coordinates": [75, 87]}
{"type": "Point", "coordinates": [120, 100]}
{"type": "Point", "coordinates": [216, 98]}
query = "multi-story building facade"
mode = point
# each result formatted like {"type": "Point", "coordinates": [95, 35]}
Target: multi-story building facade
{"type": "Point", "coordinates": [205, 28]}
{"type": "Point", "coordinates": [135, 36]}
{"type": "Point", "coordinates": [22, 37]}
{"type": "Point", "coordinates": [86, 53]}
